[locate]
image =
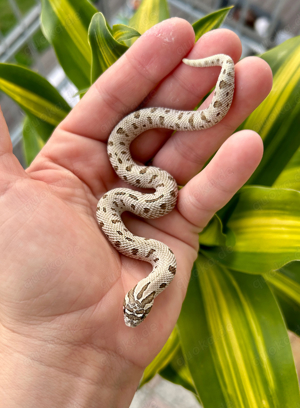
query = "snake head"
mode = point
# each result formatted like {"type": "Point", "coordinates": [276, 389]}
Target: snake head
{"type": "Point", "coordinates": [134, 314]}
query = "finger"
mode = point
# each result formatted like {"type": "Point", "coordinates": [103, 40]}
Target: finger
{"type": "Point", "coordinates": [123, 87]}
{"type": "Point", "coordinates": [185, 153]}
{"type": "Point", "coordinates": [5, 141]}
{"type": "Point", "coordinates": [229, 169]}
{"type": "Point", "coordinates": [10, 168]}
{"type": "Point", "coordinates": [186, 86]}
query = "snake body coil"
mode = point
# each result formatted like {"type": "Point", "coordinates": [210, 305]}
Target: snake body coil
{"type": "Point", "coordinates": [139, 300]}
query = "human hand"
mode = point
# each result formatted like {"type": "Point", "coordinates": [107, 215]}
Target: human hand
{"type": "Point", "coordinates": [62, 284]}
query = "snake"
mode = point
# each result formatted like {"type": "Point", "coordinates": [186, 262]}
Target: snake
{"type": "Point", "coordinates": [139, 300]}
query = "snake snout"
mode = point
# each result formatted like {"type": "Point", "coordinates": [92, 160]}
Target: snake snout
{"type": "Point", "coordinates": [134, 314]}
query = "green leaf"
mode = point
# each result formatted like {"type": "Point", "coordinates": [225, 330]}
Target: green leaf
{"type": "Point", "coordinates": [148, 14]}
{"type": "Point", "coordinates": [32, 142]}
{"type": "Point", "coordinates": [105, 49]}
{"type": "Point", "coordinates": [163, 358]}
{"type": "Point", "coordinates": [290, 176]}
{"type": "Point", "coordinates": [33, 93]}
{"type": "Point", "coordinates": [266, 226]}
{"type": "Point", "coordinates": [285, 284]}
{"type": "Point", "coordinates": [65, 25]}
{"type": "Point", "coordinates": [122, 32]}
{"type": "Point", "coordinates": [178, 372]}
{"type": "Point", "coordinates": [235, 342]}
{"type": "Point", "coordinates": [277, 119]}
{"type": "Point", "coordinates": [210, 22]}
{"type": "Point", "coordinates": [213, 233]}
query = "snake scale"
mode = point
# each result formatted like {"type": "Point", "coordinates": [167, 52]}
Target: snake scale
{"type": "Point", "coordinates": [139, 300]}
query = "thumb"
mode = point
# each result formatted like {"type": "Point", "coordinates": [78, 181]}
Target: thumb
{"type": "Point", "coordinates": [10, 167]}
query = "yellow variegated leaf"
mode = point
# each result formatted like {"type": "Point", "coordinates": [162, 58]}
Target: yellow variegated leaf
{"type": "Point", "coordinates": [277, 119]}
{"type": "Point", "coordinates": [122, 32]}
{"type": "Point", "coordinates": [163, 358]}
{"type": "Point", "coordinates": [148, 14]}
{"type": "Point", "coordinates": [178, 372]}
{"type": "Point", "coordinates": [235, 342]}
{"type": "Point", "coordinates": [213, 233]}
{"type": "Point", "coordinates": [33, 93]}
{"type": "Point", "coordinates": [105, 49]}
{"type": "Point", "coordinates": [285, 283]}
{"type": "Point", "coordinates": [266, 227]}
{"type": "Point", "coordinates": [65, 25]}
{"type": "Point", "coordinates": [210, 22]}
{"type": "Point", "coordinates": [290, 176]}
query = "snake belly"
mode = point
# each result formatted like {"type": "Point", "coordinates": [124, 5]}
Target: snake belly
{"type": "Point", "coordinates": [139, 300]}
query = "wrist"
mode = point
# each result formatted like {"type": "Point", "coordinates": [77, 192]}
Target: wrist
{"type": "Point", "coordinates": [39, 373]}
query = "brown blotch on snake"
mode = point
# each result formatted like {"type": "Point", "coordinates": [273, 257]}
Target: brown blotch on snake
{"type": "Point", "coordinates": [223, 84]}
{"type": "Point", "coordinates": [141, 292]}
{"type": "Point", "coordinates": [172, 269]}
{"type": "Point", "coordinates": [148, 299]}
{"type": "Point", "coordinates": [143, 171]}
{"type": "Point", "coordinates": [133, 196]}
{"type": "Point", "coordinates": [150, 253]}
{"type": "Point", "coordinates": [217, 104]}
{"type": "Point", "coordinates": [161, 120]}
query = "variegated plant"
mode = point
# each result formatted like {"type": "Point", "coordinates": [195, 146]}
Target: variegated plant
{"type": "Point", "coordinates": [230, 346]}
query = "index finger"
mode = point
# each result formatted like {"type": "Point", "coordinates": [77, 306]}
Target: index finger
{"type": "Point", "coordinates": [130, 79]}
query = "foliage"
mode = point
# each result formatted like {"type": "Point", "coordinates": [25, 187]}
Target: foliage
{"type": "Point", "coordinates": [230, 346]}
{"type": "Point", "coordinates": [7, 17]}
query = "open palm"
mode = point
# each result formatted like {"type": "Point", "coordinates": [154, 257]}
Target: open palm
{"type": "Point", "coordinates": [61, 280]}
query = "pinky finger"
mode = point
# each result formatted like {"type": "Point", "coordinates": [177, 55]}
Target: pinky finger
{"type": "Point", "coordinates": [215, 185]}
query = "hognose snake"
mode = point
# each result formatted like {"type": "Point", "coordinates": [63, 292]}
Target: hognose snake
{"type": "Point", "coordinates": [139, 300]}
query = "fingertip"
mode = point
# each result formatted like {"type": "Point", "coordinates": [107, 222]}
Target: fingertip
{"type": "Point", "coordinates": [259, 72]}
{"type": "Point", "coordinates": [167, 26]}
{"type": "Point", "coordinates": [247, 147]}
{"type": "Point", "coordinates": [176, 33]}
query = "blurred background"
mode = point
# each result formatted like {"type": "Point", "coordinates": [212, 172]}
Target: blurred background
{"type": "Point", "coordinates": [260, 25]}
